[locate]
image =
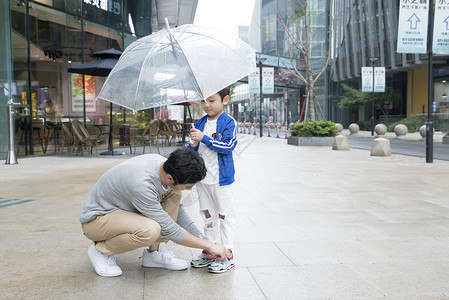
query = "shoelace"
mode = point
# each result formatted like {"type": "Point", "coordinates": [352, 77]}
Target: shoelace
{"type": "Point", "coordinates": [111, 261]}
{"type": "Point", "coordinates": [167, 255]}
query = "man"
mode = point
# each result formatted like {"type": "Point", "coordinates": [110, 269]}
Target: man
{"type": "Point", "coordinates": [137, 204]}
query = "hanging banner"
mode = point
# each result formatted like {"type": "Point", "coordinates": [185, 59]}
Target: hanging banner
{"type": "Point", "coordinates": [441, 28]}
{"type": "Point", "coordinates": [379, 79]}
{"type": "Point", "coordinates": [367, 79]}
{"type": "Point", "coordinates": [412, 26]}
{"type": "Point", "coordinates": [268, 80]}
{"type": "Point", "coordinates": [254, 83]}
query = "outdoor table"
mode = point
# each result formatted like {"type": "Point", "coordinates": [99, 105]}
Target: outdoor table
{"type": "Point", "coordinates": [110, 138]}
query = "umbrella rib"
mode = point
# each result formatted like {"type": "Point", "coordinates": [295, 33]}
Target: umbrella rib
{"type": "Point", "coordinates": [195, 81]}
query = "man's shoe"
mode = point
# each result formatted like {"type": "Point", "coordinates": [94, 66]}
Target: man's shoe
{"type": "Point", "coordinates": [201, 261]}
{"type": "Point", "coordinates": [222, 266]}
{"type": "Point", "coordinates": [163, 259]}
{"type": "Point", "coordinates": [104, 265]}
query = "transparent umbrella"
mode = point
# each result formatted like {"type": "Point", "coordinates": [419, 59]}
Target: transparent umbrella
{"type": "Point", "coordinates": [187, 63]}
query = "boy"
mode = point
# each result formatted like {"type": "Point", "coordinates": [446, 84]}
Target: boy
{"type": "Point", "coordinates": [215, 137]}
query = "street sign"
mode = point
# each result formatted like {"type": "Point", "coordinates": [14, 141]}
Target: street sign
{"type": "Point", "coordinates": [412, 27]}
{"type": "Point", "coordinates": [379, 79]}
{"type": "Point", "coordinates": [254, 83]}
{"type": "Point", "coordinates": [441, 28]}
{"type": "Point", "coordinates": [367, 79]}
{"type": "Point", "coordinates": [268, 80]}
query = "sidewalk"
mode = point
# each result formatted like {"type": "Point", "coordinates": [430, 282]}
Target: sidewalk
{"type": "Point", "coordinates": [312, 223]}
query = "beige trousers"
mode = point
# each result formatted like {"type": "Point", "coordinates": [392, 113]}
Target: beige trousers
{"type": "Point", "coordinates": [122, 231]}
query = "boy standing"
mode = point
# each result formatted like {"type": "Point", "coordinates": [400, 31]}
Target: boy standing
{"type": "Point", "coordinates": [215, 137]}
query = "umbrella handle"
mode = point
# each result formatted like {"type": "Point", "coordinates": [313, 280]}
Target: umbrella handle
{"type": "Point", "coordinates": [166, 23]}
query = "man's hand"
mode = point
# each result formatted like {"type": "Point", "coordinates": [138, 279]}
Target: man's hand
{"type": "Point", "coordinates": [196, 136]}
{"type": "Point", "coordinates": [215, 251]}
{"type": "Point", "coordinates": [218, 252]}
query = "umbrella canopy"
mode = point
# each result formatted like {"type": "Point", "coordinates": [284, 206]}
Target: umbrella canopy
{"type": "Point", "coordinates": [187, 63]}
{"type": "Point", "coordinates": [98, 67]}
{"type": "Point", "coordinates": [109, 53]}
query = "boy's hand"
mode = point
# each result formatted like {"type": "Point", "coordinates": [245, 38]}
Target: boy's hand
{"type": "Point", "coordinates": [196, 136]}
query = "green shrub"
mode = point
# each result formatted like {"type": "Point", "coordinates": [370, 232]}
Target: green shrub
{"type": "Point", "coordinates": [315, 128]}
{"type": "Point", "coordinates": [364, 125]}
{"type": "Point", "coordinates": [413, 124]}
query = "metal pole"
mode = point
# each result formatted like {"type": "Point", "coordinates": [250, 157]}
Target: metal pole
{"type": "Point", "coordinates": [429, 125]}
{"type": "Point", "coordinates": [11, 158]}
{"type": "Point", "coordinates": [373, 62]}
{"type": "Point", "coordinates": [260, 60]}
{"type": "Point", "coordinates": [372, 103]}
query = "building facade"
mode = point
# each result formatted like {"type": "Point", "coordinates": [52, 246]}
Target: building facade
{"type": "Point", "coordinates": [365, 29]}
{"type": "Point", "coordinates": [43, 38]}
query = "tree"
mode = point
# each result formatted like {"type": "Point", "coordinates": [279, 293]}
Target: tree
{"type": "Point", "coordinates": [300, 40]}
{"type": "Point", "coordinates": [353, 99]}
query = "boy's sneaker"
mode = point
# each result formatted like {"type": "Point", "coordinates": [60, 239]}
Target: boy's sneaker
{"type": "Point", "coordinates": [222, 266]}
{"type": "Point", "coordinates": [201, 261]}
{"type": "Point", "coordinates": [162, 259]}
{"type": "Point", "coordinates": [104, 265]}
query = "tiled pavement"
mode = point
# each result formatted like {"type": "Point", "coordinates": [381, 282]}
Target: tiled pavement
{"type": "Point", "coordinates": [312, 224]}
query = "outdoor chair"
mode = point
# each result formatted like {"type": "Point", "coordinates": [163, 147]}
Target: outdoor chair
{"type": "Point", "coordinates": [83, 137]}
{"type": "Point", "coordinates": [22, 125]}
{"type": "Point", "coordinates": [67, 140]}
{"type": "Point", "coordinates": [52, 134]}
{"type": "Point", "coordinates": [149, 136]}
{"type": "Point", "coordinates": [176, 130]}
{"type": "Point", "coordinates": [165, 132]}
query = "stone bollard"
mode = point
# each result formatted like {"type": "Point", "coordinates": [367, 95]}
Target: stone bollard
{"type": "Point", "coordinates": [401, 131]}
{"type": "Point", "coordinates": [354, 129]}
{"type": "Point", "coordinates": [339, 128]}
{"type": "Point", "coordinates": [340, 143]}
{"type": "Point", "coordinates": [423, 132]}
{"type": "Point", "coordinates": [380, 130]}
{"type": "Point", "coordinates": [381, 147]}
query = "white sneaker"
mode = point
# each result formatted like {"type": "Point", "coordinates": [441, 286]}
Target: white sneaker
{"type": "Point", "coordinates": [162, 259]}
{"type": "Point", "coordinates": [104, 265]}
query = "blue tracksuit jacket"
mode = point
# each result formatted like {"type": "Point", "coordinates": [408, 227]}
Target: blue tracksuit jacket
{"type": "Point", "coordinates": [223, 143]}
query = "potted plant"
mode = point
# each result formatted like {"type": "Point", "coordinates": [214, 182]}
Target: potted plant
{"type": "Point", "coordinates": [312, 133]}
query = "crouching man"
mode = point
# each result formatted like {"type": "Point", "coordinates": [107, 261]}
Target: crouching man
{"type": "Point", "coordinates": [137, 204]}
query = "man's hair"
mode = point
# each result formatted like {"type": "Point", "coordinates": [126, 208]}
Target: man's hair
{"type": "Point", "coordinates": [185, 166]}
{"type": "Point", "coordinates": [224, 92]}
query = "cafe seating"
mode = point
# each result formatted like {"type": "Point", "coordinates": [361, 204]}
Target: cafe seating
{"type": "Point", "coordinates": [176, 130]}
{"type": "Point", "coordinates": [83, 137]}
{"type": "Point", "coordinates": [67, 139]}
{"type": "Point", "coordinates": [149, 135]}
{"type": "Point", "coordinates": [52, 133]}
{"type": "Point", "coordinates": [165, 132]}
{"type": "Point", "coordinates": [22, 125]}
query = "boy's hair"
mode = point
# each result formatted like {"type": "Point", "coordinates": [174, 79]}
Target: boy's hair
{"type": "Point", "coordinates": [224, 92]}
{"type": "Point", "coordinates": [185, 166]}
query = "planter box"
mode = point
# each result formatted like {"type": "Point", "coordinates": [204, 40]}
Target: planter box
{"type": "Point", "coordinates": [446, 139]}
{"type": "Point", "coordinates": [310, 141]}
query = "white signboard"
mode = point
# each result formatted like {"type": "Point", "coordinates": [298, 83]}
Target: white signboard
{"type": "Point", "coordinates": [412, 31]}
{"type": "Point", "coordinates": [379, 79]}
{"type": "Point", "coordinates": [254, 83]}
{"type": "Point", "coordinates": [268, 80]}
{"type": "Point", "coordinates": [367, 79]}
{"type": "Point", "coordinates": [441, 28]}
